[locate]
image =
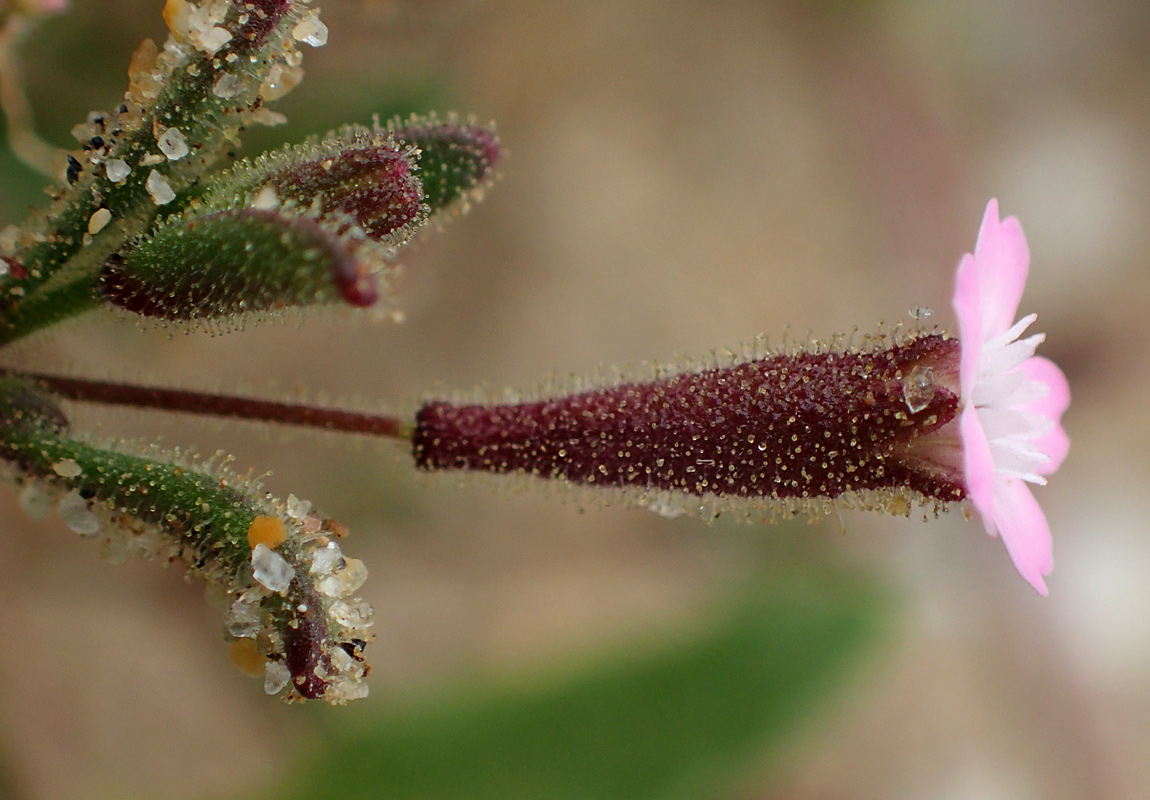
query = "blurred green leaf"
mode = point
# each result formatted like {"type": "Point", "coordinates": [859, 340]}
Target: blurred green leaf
{"type": "Point", "coordinates": [22, 186]}
{"type": "Point", "coordinates": [679, 720]}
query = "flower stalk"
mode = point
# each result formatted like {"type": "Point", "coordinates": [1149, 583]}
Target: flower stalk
{"type": "Point", "coordinates": [224, 406]}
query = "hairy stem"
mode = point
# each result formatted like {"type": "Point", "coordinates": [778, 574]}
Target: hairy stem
{"type": "Point", "coordinates": [217, 405]}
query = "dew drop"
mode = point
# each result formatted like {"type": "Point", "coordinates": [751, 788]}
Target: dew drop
{"type": "Point", "coordinates": [918, 389]}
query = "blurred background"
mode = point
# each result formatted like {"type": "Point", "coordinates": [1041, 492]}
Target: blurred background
{"type": "Point", "coordinates": [679, 176]}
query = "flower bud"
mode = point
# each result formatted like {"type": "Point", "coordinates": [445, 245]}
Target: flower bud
{"type": "Point", "coordinates": [455, 160]}
{"type": "Point", "coordinates": [370, 181]}
{"type": "Point", "coordinates": [231, 262]}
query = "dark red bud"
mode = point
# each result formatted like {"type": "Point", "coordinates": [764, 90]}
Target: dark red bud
{"type": "Point", "coordinates": [15, 268]}
{"type": "Point", "coordinates": [304, 640]}
{"type": "Point", "coordinates": [260, 18]}
{"type": "Point", "coordinates": [373, 184]}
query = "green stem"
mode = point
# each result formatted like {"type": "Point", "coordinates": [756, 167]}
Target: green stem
{"type": "Point", "coordinates": [47, 307]}
{"type": "Point", "coordinates": [208, 516]}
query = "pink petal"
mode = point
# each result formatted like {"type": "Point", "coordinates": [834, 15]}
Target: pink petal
{"type": "Point", "coordinates": [967, 302]}
{"type": "Point", "coordinates": [1055, 444]}
{"type": "Point", "coordinates": [1003, 260]}
{"type": "Point", "coordinates": [1024, 530]}
{"type": "Point", "coordinates": [978, 467]}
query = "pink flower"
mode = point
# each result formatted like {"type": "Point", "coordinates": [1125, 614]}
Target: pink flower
{"type": "Point", "coordinates": [1011, 400]}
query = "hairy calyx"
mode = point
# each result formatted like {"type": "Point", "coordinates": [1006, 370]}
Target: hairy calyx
{"type": "Point", "coordinates": [789, 426]}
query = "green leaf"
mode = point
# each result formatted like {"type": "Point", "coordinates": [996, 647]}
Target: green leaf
{"type": "Point", "coordinates": [685, 720]}
{"type": "Point", "coordinates": [198, 509]}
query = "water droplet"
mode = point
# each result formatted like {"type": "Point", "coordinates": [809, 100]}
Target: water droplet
{"type": "Point", "coordinates": [918, 388]}
{"type": "Point", "coordinates": [920, 313]}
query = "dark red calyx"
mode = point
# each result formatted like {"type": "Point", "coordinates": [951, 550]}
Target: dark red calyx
{"type": "Point", "coordinates": [803, 425]}
{"type": "Point", "coordinates": [373, 184]}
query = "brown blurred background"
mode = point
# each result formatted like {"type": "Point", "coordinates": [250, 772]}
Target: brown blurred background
{"type": "Point", "coordinates": [679, 176]}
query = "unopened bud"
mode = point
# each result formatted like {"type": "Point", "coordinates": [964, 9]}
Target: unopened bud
{"type": "Point", "coordinates": [230, 262]}
{"type": "Point", "coordinates": [455, 159]}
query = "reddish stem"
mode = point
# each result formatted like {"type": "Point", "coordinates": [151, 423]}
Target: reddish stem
{"type": "Point", "coordinates": [190, 402]}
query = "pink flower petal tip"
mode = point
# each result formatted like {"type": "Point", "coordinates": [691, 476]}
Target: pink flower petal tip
{"type": "Point", "coordinates": [40, 7]}
{"type": "Point", "coordinates": [1012, 401]}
